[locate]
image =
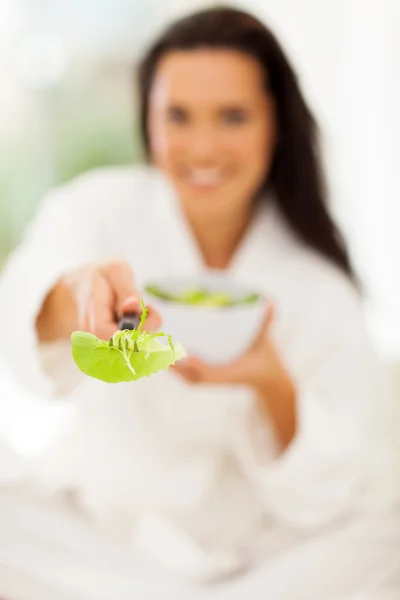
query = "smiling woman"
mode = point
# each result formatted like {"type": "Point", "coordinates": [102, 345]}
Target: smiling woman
{"type": "Point", "coordinates": [222, 114]}
{"type": "Point", "coordinates": [285, 451]}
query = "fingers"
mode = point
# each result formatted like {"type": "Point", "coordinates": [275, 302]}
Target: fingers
{"type": "Point", "coordinates": [93, 301]}
{"type": "Point", "coordinates": [120, 277]}
{"type": "Point", "coordinates": [98, 317]}
{"type": "Point", "coordinates": [102, 294]}
{"type": "Point", "coordinates": [194, 370]}
{"type": "Point", "coordinates": [184, 369]}
{"type": "Point", "coordinates": [100, 320]}
{"type": "Point", "coordinates": [127, 297]}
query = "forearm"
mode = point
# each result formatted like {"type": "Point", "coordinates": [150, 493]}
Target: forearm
{"type": "Point", "coordinates": [278, 401]}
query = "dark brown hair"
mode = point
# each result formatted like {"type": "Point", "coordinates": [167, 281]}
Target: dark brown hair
{"type": "Point", "coordinates": [296, 177]}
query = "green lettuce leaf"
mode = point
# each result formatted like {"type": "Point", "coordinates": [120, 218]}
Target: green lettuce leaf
{"type": "Point", "coordinates": [128, 356]}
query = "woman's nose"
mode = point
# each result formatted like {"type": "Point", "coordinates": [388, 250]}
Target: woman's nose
{"type": "Point", "coordinates": [203, 143]}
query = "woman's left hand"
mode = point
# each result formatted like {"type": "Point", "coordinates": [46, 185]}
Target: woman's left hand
{"type": "Point", "coordinates": [260, 368]}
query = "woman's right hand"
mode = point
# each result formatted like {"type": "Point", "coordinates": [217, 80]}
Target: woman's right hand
{"type": "Point", "coordinates": [93, 299]}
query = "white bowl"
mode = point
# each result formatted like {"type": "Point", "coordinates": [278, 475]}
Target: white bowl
{"type": "Point", "coordinates": [215, 334]}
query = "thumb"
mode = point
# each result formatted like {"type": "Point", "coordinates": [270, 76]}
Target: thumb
{"type": "Point", "coordinates": [267, 322]}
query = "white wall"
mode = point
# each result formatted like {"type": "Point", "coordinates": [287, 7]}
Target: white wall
{"type": "Point", "coordinates": [347, 54]}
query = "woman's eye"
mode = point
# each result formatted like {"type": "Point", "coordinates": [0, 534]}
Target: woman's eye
{"type": "Point", "coordinates": [234, 116]}
{"type": "Point", "coordinates": [177, 115]}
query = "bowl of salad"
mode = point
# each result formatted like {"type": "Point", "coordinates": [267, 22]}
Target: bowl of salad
{"type": "Point", "coordinates": [215, 317]}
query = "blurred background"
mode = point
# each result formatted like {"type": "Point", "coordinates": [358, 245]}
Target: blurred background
{"type": "Point", "coordinates": [67, 105]}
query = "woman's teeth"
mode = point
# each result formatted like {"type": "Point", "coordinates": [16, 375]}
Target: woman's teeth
{"type": "Point", "coordinates": [205, 177]}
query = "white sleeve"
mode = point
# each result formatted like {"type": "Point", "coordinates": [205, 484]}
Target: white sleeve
{"type": "Point", "coordinates": [60, 239]}
{"type": "Point", "coordinates": [345, 454]}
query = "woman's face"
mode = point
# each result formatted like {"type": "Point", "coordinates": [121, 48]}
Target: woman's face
{"type": "Point", "coordinates": [212, 129]}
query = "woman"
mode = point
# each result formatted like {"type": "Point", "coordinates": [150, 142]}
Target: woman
{"type": "Point", "coordinates": [287, 457]}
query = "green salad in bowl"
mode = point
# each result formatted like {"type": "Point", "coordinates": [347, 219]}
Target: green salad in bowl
{"type": "Point", "coordinates": [214, 316]}
{"type": "Point", "coordinates": [199, 296]}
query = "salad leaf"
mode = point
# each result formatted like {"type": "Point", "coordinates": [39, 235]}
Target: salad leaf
{"type": "Point", "coordinates": [127, 356]}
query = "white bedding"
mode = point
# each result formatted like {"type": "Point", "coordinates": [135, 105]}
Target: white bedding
{"type": "Point", "coordinates": [49, 553]}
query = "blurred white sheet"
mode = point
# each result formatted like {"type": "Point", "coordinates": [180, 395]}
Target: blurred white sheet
{"type": "Point", "coordinates": [48, 553]}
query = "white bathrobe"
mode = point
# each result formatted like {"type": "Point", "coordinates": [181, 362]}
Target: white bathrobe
{"type": "Point", "coordinates": [192, 476]}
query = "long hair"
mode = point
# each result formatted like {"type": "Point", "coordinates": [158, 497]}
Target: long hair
{"type": "Point", "coordinates": [296, 176]}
